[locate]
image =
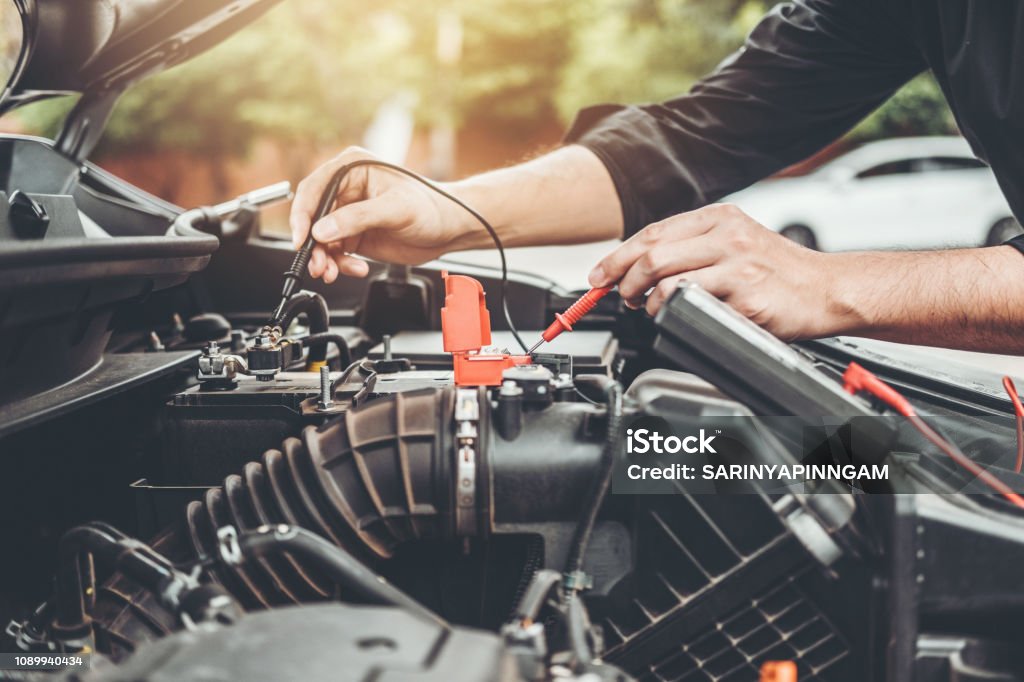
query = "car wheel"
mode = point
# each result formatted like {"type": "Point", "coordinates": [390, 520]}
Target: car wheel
{"type": "Point", "coordinates": [801, 234]}
{"type": "Point", "coordinates": [1004, 229]}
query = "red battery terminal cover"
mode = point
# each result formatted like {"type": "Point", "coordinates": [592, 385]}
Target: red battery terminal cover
{"type": "Point", "coordinates": [466, 330]}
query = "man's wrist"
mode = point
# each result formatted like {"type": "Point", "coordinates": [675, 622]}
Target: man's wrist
{"type": "Point", "coordinates": [563, 197]}
{"type": "Point", "coordinates": [962, 298]}
{"type": "Point", "coordinates": [464, 232]}
{"type": "Point", "coordinates": [850, 307]}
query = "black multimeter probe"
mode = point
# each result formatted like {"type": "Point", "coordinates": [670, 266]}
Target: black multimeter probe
{"type": "Point", "coordinates": [293, 275]}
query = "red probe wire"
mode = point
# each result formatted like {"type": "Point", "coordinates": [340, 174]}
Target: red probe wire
{"type": "Point", "coordinates": [564, 321]}
{"type": "Point", "coordinates": [857, 379]}
{"type": "Point", "coordinates": [1018, 410]}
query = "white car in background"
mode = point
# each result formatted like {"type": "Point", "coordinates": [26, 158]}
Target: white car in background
{"type": "Point", "coordinates": [903, 193]}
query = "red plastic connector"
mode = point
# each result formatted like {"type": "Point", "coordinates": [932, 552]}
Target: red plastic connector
{"type": "Point", "coordinates": [583, 305]}
{"type": "Point", "coordinates": [857, 379]}
{"type": "Point", "coordinates": [466, 329]}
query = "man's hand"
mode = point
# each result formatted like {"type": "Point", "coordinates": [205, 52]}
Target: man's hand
{"type": "Point", "coordinates": [776, 283]}
{"type": "Point", "coordinates": [564, 197]}
{"type": "Point", "coordinates": [964, 298]}
{"type": "Point", "coordinates": [381, 214]}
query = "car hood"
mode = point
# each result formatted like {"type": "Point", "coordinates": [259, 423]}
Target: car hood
{"type": "Point", "coordinates": [79, 46]}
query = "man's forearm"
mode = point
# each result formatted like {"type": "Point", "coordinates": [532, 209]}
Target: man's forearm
{"type": "Point", "coordinates": [972, 299]}
{"type": "Point", "coordinates": [565, 197]}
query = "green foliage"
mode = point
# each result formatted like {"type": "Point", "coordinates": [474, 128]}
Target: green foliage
{"type": "Point", "coordinates": [266, 80]}
{"type": "Point", "coordinates": [512, 57]}
{"type": "Point", "coordinates": [919, 108]}
{"type": "Point", "coordinates": [647, 50]}
{"type": "Point", "coordinates": [314, 71]}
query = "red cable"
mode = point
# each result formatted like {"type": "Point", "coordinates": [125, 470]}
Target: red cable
{"type": "Point", "coordinates": [1018, 410]}
{"type": "Point", "coordinates": [857, 379]}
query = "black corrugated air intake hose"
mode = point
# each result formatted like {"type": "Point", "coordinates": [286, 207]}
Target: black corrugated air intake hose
{"type": "Point", "coordinates": [380, 476]}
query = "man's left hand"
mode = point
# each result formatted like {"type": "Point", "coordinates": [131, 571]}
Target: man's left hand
{"type": "Point", "coordinates": [778, 284]}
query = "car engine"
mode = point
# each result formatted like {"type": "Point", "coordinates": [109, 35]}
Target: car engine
{"type": "Point", "coordinates": [374, 487]}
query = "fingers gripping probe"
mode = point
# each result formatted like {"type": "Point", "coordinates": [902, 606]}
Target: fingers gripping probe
{"type": "Point", "coordinates": [564, 321]}
{"type": "Point", "coordinates": [293, 275]}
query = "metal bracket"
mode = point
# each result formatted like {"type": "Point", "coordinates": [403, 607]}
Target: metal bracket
{"type": "Point", "coordinates": [467, 418]}
{"type": "Point", "coordinates": [808, 530]}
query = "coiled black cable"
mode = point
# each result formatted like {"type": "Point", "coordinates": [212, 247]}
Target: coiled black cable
{"type": "Point", "coordinates": [327, 200]}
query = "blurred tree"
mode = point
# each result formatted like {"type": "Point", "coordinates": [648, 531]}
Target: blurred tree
{"type": "Point", "coordinates": [313, 72]}
{"type": "Point", "coordinates": [512, 62]}
{"type": "Point", "coordinates": [643, 50]}
{"type": "Point", "coordinates": [266, 81]}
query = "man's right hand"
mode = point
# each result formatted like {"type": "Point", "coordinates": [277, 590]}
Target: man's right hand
{"type": "Point", "coordinates": [380, 214]}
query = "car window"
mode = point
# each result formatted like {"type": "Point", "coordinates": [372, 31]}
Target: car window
{"type": "Point", "coordinates": [941, 163]}
{"type": "Point", "coordinates": [900, 167]}
{"type": "Point", "coordinates": [925, 164]}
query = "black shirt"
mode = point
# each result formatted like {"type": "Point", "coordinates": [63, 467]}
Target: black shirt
{"type": "Point", "coordinates": [807, 73]}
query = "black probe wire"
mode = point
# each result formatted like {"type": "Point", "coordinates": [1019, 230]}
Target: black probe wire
{"type": "Point", "coordinates": [328, 200]}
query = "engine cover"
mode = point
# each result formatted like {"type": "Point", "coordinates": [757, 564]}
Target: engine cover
{"type": "Point", "coordinates": [322, 642]}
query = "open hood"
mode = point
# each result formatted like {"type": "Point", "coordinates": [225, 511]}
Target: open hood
{"type": "Point", "coordinates": [100, 47]}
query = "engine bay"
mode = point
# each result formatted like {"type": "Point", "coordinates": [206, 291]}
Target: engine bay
{"type": "Point", "coordinates": [335, 494]}
{"type": "Point", "coordinates": [204, 478]}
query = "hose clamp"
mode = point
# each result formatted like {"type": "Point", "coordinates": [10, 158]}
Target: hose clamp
{"type": "Point", "coordinates": [467, 419]}
{"type": "Point", "coordinates": [227, 543]}
{"type": "Point", "coordinates": [577, 581]}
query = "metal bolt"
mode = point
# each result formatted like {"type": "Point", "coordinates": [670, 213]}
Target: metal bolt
{"type": "Point", "coordinates": [387, 346]}
{"type": "Point", "coordinates": [509, 388]}
{"type": "Point", "coordinates": [212, 348]}
{"type": "Point", "coordinates": [325, 401]}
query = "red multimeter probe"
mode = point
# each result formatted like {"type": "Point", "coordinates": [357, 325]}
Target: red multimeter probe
{"type": "Point", "coordinates": [564, 321]}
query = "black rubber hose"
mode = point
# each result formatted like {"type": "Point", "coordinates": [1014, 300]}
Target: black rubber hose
{"type": "Point", "coordinates": [111, 548]}
{"type": "Point", "coordinates": [117, 551]}
{"type": "Point", "coordinates": [531, 564]}
{"type": "Point", "coordinates": [544, 581]}
{"type": "Point", "coordinates": [311, 303]}
{"type": "Point", "coordinates": [72, 620]}
{"type": "Point", "coordinates": [363, 490]}
{"type": "Point", "coordinates": [315, 307]}
{"type": "Point", "coordinates": [613, 437]}
{"type": "Point", "coordinates": [576, 630]}
{"type": "Point", "coordinates": [191, 223]}
{"type": "Point", "coordinates": [319, 343]}
{"type": "Point", "coordinates": [341, 566]}
{"type": "Point", "coordinates": [370, 481]}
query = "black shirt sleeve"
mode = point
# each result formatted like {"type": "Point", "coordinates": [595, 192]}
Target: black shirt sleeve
{"type": "Point", "coordinates": [807, 73]}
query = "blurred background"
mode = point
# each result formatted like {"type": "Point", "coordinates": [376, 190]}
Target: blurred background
{"type": "Point", "coordinates": [447, 87]}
